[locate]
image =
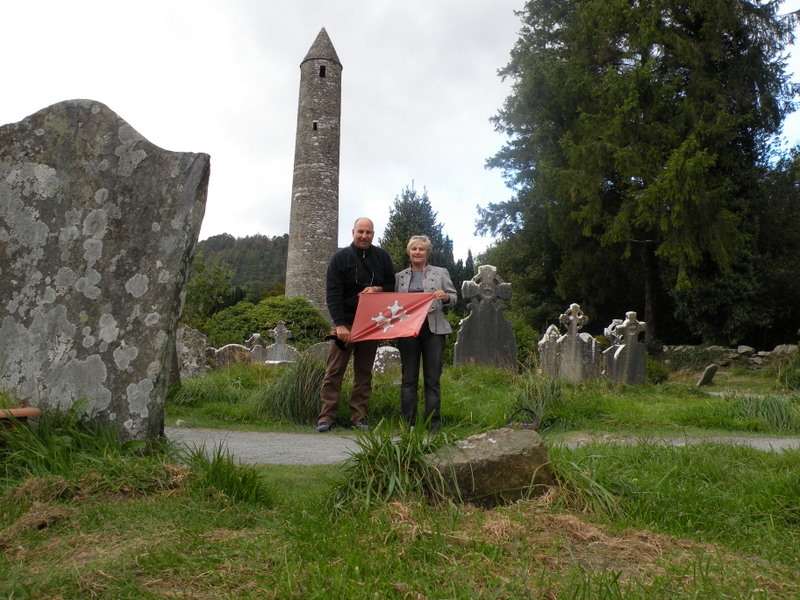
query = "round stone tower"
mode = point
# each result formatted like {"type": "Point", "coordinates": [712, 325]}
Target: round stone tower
{"type": "Point", "coordinates": [314, 221]}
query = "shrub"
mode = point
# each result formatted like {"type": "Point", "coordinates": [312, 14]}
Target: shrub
{"type": "Point", "coordinates": [657, 372]}
{"type": "Point", "coordinates": [775, 412]}
{"type": "Point", "coordinates": [789, 373]}
{"type": "Point", "coordinates": [234, 325]}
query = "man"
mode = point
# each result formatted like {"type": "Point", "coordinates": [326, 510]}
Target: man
{"type": "Point", "coordinates": [361, 267]}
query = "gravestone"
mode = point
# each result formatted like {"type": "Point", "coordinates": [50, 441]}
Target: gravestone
{"type": "Point", "coordinates": [97, 230]}
{"type": "Point", "coordinates": [232, 354]}
{"type": "Point", "coordinates": [319, 351]}
{"type": "Point", "coordinates": [548, 352]}
{"type": "Point", "coordinates": [190, 347]}
{"type": "Point", "coordinates": [280, 351]}
{"type": "Point", "coordinates": [708, 375]}
{"type": "Point", "coordinates": [485, 336]}
{"type": "Point", "coordinates": [258, 354]}
{"type": "Point", "coordinates": [578, 352]}
{"type": "Point", "coordinates": [387, 358]}
{"type": "Point", "coordinates": [626, 359]}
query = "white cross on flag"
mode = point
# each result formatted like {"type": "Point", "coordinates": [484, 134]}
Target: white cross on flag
{"type": "Point", "coordinates": [389, 315]}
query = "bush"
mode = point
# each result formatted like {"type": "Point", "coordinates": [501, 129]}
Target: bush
{"type": "Point", "coordinates": [657, 372]}
{"type": "Point", "coordinates": [774, 412]}
{"type": "Point", "coordinates": [218, 475]}
{"type": "Point", "coordinates": [789, 374]}
{"type": "Point", "coordinates": [234, 325]}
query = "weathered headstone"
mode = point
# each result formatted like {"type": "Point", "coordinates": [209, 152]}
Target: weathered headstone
{"type": "Point", "coordinates": [97, 229]}
{"type": "Point", "coordinates": [319, 351]}
{"type": "Point", "coordinates": [708, 375]}
{"type": "Point", "coordinates": [485, 336]}
{"type": "Point", "coordinates": [626, 359]}
{"type": "Point", "coordinates": [548, 352]}
{"type": "Point", "coordinates": [387, 358]}
{"type": "Point", "coordinates": [578, 352]}
{"type": "Point", "coordinates": [496, 467]}
{"type": "Point", "coordinates": [191, 350]}
{"type": "Point", "coordinates": [258, 354]}
{"type": "Point", "coordinates": [280, 351]}
{"type": "Point", "coordinates": [232, 354]}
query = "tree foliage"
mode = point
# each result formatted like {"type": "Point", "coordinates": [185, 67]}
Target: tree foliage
{"type": "Point", "coordinates": [412, 214]}
{"type": "Point", "coordinates": [638, 136]}
{"type": "Point", "coordinates": [257, 263]}
{"type": "Point", "coordinates": [208, 291]}
{"type": "Point", "coordinates": [235, 324]}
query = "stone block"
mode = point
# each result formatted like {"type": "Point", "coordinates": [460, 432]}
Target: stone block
{"type": "Point", "coordinates": [496, 467]}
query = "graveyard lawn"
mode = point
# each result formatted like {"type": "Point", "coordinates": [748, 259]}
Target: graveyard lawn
{"type": "Point", "coordinates": [482, 398]}
{"type": "Point", "coordinates": [641, 521]}
{"type": "Point", "coordinates": [173, 544]}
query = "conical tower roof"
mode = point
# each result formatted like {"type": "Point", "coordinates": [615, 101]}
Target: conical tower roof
{"type": "Point", "coordinates": [322, 48]}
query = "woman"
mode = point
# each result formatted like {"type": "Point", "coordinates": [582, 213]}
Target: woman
{"type": "Point", "coordinates": [429, 344]}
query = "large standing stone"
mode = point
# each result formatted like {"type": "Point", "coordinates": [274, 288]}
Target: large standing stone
{"type": "Point", "coordinates": [485, 336]}
{"type": "Point", "coordinates": [97, 228]}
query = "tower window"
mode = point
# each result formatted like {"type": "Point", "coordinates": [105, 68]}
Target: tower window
{"type": "Point", "coordinates": [314, 125]}
{"type": "Point", "coordinates": [322, 71]}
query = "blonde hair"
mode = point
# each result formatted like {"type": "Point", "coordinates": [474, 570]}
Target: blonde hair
{"type": "Point", "coordinates": [421, 240]}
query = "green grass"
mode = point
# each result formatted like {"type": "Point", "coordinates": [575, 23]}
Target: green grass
{"type": "Point", "coordinates": [83, 516]}
{"type": "Point", "coordinates": [480, 397]}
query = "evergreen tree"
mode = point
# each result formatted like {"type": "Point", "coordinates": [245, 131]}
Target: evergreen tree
{"type": "Point", "coordinates": [411, 215]}
{"type": "Point", "coordinates": [638, 131]}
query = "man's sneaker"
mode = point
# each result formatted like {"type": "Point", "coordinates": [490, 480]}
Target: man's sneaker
{"type": "Point", "coordinates": [362, 425]}
{"type": "Point", "coordinates": [323, 427]}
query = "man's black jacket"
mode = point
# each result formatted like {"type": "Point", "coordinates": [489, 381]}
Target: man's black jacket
{"type": "Point", "coordinates": [349, 272]}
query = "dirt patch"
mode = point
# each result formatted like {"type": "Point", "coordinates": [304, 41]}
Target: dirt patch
{"type": "Point", "coordinates": [38, 516]}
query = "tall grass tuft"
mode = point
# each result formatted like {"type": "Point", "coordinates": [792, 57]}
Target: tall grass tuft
{"type": "Point", "coordinates": [227, 385]}
{"type": "Point", "coordinates": [216, 475]}
{"type": "Point", "coordinates": [84, 453]}
{"type": "Point", "coordinates": [387, 467]}
{"type": "Point", "coordinates": [294, 394]}
{"type": "Point", "coordinates": [775, 412]}
{"type": "Point", "coordinates": [535, 394]}
{"type": "Point", "coordinates": [579, 488]}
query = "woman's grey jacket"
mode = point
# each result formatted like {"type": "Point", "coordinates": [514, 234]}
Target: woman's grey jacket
{"type": "Point", "coordinates": [433, 280]}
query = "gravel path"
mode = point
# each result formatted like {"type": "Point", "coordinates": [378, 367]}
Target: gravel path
{"type": "Point", "coordinates": [331, 448]}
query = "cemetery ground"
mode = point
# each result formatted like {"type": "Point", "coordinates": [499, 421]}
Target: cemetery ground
{"type": "Point", "coordinates": [83, 517]}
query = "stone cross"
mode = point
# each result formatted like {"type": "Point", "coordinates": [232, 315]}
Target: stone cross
{"type": "Point", "coordinates": [280, 351]}
{"type": "Point", "coordinates": [485, 336]}
{"type": "Point", "coordinates": [626, 359]}
{"type": "Point", "coordinates": [578, 352]}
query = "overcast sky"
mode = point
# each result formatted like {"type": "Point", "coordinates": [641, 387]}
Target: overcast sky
{"type": "Point", "coordinates": [419, 84]}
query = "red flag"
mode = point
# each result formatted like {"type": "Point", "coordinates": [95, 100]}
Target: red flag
{"type": "Point", "coordinates": [389, 315]}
